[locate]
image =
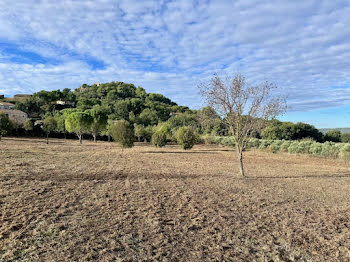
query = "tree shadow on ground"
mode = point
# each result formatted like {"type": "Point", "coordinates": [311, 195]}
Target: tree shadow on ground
{"type": "Point", "coordinates": [179, 152]}
{"type": "Point", "coordinates": [346, 175]}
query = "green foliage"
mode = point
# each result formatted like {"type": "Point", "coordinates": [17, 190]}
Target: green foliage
{"type": "Point", "coordinates": [286, 130]}
{"type": "Point", "coordinates": [159, 138]}
{"type": "Point", "coordinates": [148, 117]}
{"type": "Point", "coordinates": [333, 136]}
{"type": "Point", "coordinates": [345, 138]}
{"type": "Point", "coordinates": [123, 133]}
{"type": "Point", "coordinates": [49, 124]}
{"type": "Point", "coordinates": [78, 122]}
{"type": "Point", "coordinates": [304, 146]}
{"type": "Point", "coordinates": [293, 148]}
{"type": "Point", "coordinates": [99, 116]}
{"type": "Point", "coordinates": [276, 146]}
{"type": "Point", "coordinates": [285, 145]}
{"type": "Point", "coordinates": [185, 137]}
{"type": "Point", "coordinates": [344, 152]}
{"type": "Point", "coordinates": [254, 142]}
{"type": "Point", "coordinates": [329, 149]}
{"type": "Point", "coordinates": [265, 144]}
{"type": "Point", "coordinates": [28, 125]}
{"type": "Point", "coordinates": [5, 125]}
{"type": "Point", "coordinates": [315, 149]}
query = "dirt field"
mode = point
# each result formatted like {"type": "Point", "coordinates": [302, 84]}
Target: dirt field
{"type": "Point", "coordinates": [66, 202]}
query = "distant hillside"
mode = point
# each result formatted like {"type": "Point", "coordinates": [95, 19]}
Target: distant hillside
{"type": "Point", "coordinates": [343, 130]}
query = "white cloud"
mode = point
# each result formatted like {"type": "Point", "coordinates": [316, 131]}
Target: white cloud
{"type": "Point", "coordinates": [170, 46]}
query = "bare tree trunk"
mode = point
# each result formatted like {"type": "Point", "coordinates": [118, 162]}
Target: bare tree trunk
{"type": "Point", "coordinates": [240, 159]}
{"type": "Point", "coordinates": [0, 137]}
{"type": "Point", "coordinates": [109, 138]}
{"type": "Point", "coordinates": [65, 135]}
{"type": "Point", "coordinates": [80, 136]}
{"type": "Point", "coordinates": [47, 138]}
{"type": "Point", "coordinates": [94, 135]}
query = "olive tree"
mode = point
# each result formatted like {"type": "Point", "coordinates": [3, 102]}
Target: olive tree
{"type": "Point", "coordinates": [244, 108]}
{"type": "Point", "coordinates": [123, 133]}
{"type": "Point", "coordinates": [78, 123]}
{"type": "Point", "coordinates": [49, 125]}
{"type": "Point", "coordinates": [5, 125]}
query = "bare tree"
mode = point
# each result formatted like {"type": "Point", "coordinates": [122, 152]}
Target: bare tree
{"type": "Point", "coordinates": [244, 108]}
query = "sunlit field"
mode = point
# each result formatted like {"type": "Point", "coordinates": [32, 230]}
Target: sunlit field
{"type": "Point", "coordinates": [94, 202]}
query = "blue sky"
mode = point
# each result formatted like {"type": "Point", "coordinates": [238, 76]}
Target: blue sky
{"type": "Point", "coordinates": [169, 47]}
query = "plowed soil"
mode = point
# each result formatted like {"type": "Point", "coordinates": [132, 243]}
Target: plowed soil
{"type": "Point", "coordinates": [67, 202]}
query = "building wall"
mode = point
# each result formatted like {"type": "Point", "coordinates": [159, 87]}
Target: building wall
{"type": "Point", "coordinates": [16, 116]}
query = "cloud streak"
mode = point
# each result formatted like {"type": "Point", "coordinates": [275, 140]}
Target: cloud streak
{"type": "Point", "coordinates": [170, 46]}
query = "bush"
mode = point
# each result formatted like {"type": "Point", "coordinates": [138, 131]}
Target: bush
{"type": "Point", "coordinates": [333, 136]}
{"type": "Point", "coordinates": [123, 133]}
{"type": "Point", "coordinates": [285, 145]}
{"type": "Point", "coordinates": [345, 138]}
{"type": "Point", "coordinates": [344, 152]}
{"type": "Point", "coordinates": [276, 146]}
{"type": "Point", "coordinates": [265, 144]}
{"type": "Point", "coordinates": [209, 139]}
{"type": "Point", "coordinates": [254, 142]}
{"type": "Point", "coordinates": [293, 148]}
{"type": "Point", "coordinates": [304, 146]}
{"type": "Point", "coordinates": [159, 138]}
{"type": "Point", "coordinates": [316, 149]}
{"type": "Point", "coordinates": [329, 149]}
{"type": "Point", "coordinates": [228, 141]}
{"type": "Point", "coordinates": [185, 137]}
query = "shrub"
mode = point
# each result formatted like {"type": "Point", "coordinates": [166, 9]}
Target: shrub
{"type": "Point", "coordinates": [209, 139]}
{"type": "Point", "coordinates": [285, 145]}
{"type": "Point", "coordinates": [254, 142]}
{"type": "Point", "coordinates": [293, 148]}
{"type": "Point", "coordinates": [276, 146]}
{"type": "Point", "coordinates": [304, 146]}
{"type": "Point", "coordinates": [185, 137]}
{"type": "Point", "coordinates": [228, 141]}
{"type": "Point", "coordinates": [344, 152]}
{"type": "Point", "coordinates": [265, 143]}
{"type": "Point", "coordinates": [329, 149]}
{"type": "Point", "coordinates": [345, 138]}
{"type": "Point", "coordinates": [159, 138]}
{"type": "Point", "coordinates": [123, 133]}
{"type": "Point", "coordinates": [315, 148]}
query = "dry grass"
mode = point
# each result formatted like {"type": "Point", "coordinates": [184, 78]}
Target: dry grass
{"type": "Point", "coordinates": [66, 202]}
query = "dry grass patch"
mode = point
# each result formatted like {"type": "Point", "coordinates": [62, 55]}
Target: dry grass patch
{"type": "Point", "coordinates": [66, 202]}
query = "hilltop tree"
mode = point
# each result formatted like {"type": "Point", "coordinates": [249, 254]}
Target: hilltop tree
{"type": "Point", "coordinates": [245, 108]}
{"type": "Point", "coordinates": [49, 125]}
{"type": "Point", "coordinates": [78, 123]}
{"type": "Point", "coordinates": [5, 125]}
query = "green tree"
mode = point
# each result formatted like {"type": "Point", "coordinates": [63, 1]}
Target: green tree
{"type": "Point", "coordinates": [49, 125]}
{"type": "Point", "coordinates": [123, 133]}
{"type": "Point", "coordinates": [99, 120]}
{"type": "Point", "coordinates": [148, 117]}
{"type": "Point", "coordinates": [333, 136]}
{"type": "Point", "coordinates": [28, 125]}
{"type": "Point", "coordinates": [185, 137]}
{"type": "Point", "coordinates": [159, 138]}
{"type": "Point", "coordinates": [139, 131]}
{"type": "Point", "coordinates": [5, 125]}
{"type": "Point", "coordinates": [78, 123]}
{"type": "Point", "coordinates": [345, 137]}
